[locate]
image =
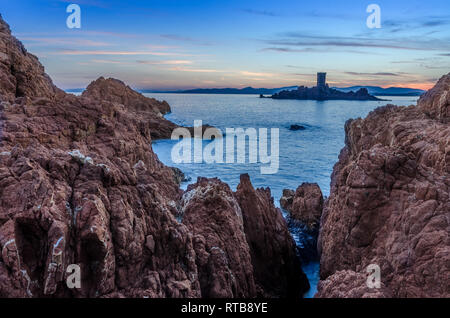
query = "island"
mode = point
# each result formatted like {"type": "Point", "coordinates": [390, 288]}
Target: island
{"type": "Point", "coordinates": [323, 92]}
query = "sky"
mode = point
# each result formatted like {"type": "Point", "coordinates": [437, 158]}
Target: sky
{"type": "Point", "coordinates": [168, 44]}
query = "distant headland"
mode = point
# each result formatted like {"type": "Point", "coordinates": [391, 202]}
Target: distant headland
{"type": "Point", "coordinates": [323, 92]}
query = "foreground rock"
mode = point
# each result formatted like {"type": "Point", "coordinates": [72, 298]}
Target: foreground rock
{"type": "Point", "coordinates": [242, 243]}
{"type": "Point", "coordinates": [272, 248]}
{"type": "Point", "coordinates": [304, 207]}
{"type": "Point", "coordinates": [79, 185]}
{"type": "Point", "coordinates": [212, 213]}
{"type": "Point", "coordinates": [390, 204]}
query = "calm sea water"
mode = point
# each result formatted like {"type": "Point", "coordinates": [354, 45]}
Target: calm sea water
{"type": "Point", "coordinates": [304, 156]}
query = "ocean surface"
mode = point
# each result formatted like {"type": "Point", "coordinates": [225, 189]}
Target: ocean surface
{"type": "Point", "coordinates": [304, 155]}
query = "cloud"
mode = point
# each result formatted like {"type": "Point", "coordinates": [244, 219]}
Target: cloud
{"type": "Point", "coordinates": [182, 38]}
{"type": "Point", "coordinates": [108, 62]}
{"type": "Point", "coordinates": [261, 12]}
{"type": "Point", "coordinates": [296, 39]}
{"type": "Point", "coordinates": [81, 52]}
{"type": "Point", "coordinates": [374, 74]}
{"type": "Point", "coordinates": [433, 23]}
{"type": "Point", "coordinates": [289, 50]}
{"type": "Point", "coordinates": [194, 70]}
{"type": "Point", "coordinates": [257, 74]}
{"type": "Point", "coordinates": [63, 41]}
{"type": "Point", "coordinates": [171, 62]}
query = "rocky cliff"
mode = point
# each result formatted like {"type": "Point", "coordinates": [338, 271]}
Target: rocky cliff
{"type": "Point", "coordinates": [80, 184]}
{"type": "Point", "coordinates": [389, 203]}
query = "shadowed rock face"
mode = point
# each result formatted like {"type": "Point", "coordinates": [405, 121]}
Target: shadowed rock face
{"type": "Point", "coordinates": [272, 248]}
{"type": "Point", "coordinates": [20, 72]}
{"type": "Point", "coordinates": [79, 184]}
{"type": "Point", "coordinates": [389, 202]}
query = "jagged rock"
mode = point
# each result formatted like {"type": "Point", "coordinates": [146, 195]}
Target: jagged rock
{"type": "Point", "coordinates": [304, 205]}
{"type": "Point", "coordinates": [436, 102]}
{"type": "Point", "coordinates": [212, 213]}
{"type": "Point", "coordinates": [79, 184]}
{"type": "Point", "coordinates": [389, 203]}
{"type": "Point", "coordinates": [272, 249]}
{"type": "Point", "coordinates": [21, 75]}
{"type": "Point", "coordinates": [242, 243]}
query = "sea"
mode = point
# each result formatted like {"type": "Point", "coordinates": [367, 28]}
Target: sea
{"type": "Point", "coordinates": [306, 155]}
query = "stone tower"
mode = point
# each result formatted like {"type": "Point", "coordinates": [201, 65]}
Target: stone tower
{"type": "Point", "coordinates": [321, 80]}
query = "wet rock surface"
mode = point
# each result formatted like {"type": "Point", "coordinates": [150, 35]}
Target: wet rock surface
{"type": "Point", "coordinates": [389, 202]}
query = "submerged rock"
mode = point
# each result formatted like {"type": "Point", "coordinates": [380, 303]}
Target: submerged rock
{"type": "Point", "coordinates": [296, 127]}
{"type": "Point", "coordinates": [389, 203]}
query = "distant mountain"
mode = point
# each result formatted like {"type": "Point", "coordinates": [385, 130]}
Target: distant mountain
{"type": "Point", "coordinates": [379, 91]}
{"type": "Point", "coordinates": [373, 90]}
{"type": "Point", "coordinates": [246, 90]}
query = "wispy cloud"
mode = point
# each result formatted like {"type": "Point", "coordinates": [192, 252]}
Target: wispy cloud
{"type": "Point", "coordinates": [63, 41]}
{"type": "Point", "coordinates": [109, 62]}
{"type": "Point", "coordinates": [261, 12]}
{"type": "Point", "coordinates": [82, 52]}
{"type": "Point", "coordinates": [290, 50]}
{"type": "Point", "coordinates": [305, 40]}
{"type": "Point", "coordinates": [170, 62]}
{"type": "Point", "coordinates": [256, 74]}
{"type": "Point", "coordinates": [182, 38]}
{"type": "Point", "coordinates": [374, 74]}
{"type": "Point", "coordinates": [194, 70]}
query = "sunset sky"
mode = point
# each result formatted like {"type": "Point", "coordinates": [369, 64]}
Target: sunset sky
{"type": "Point", "coordinates": [185, 44]}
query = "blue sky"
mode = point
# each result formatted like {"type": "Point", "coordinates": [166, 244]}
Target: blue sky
{"type": "Point", "coordinates": [185, 44]}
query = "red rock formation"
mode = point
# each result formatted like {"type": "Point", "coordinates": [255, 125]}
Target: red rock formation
{"type": "Point", "coordinates": [272, 249]}
{"type": "Point", "coordinates": [212, 213]}
{"type": "Point", "coordinates": [304, 205]}
{"type": "Point", "coordinates": [389, 202]}
{"type": "Point", "coordinates": [79, 184]}
{"type": "Point", "coordinates": [242, 243]}
{"type": "Point", "coordinates": [21, 74]}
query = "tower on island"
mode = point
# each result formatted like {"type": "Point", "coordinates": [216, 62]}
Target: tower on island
{"type": "Point", "coordinates": [321, 80]}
